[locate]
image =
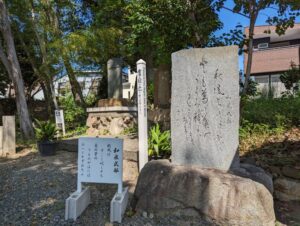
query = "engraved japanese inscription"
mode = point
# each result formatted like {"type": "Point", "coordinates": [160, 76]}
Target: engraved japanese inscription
{"type": "Point", "coordinates": [205, 107]}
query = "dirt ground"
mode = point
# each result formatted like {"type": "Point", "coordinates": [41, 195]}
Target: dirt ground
{"type": "Point", "coordinates": [34, 190]}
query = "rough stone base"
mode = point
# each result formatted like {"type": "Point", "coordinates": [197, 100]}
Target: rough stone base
{"type": "Point", "coordinates": [255, 173]}
{"type": "Point", "coordinates": [118, 206]}
{"type": "Point", "coordinates": [287, 189]}
{"type": "Point", "coordinates": [77, 203]}
{"type": "Point", "coordinates": [110, 123]}
{"type": "Point", "coordinates": [222, 198]}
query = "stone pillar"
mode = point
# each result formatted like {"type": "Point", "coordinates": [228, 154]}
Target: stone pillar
{"type": "Point", "coordinates": [205, 107]}
{"type": "Point", "coordinates": [114, 78]}
{"type": "Point", "coordinates": [9, 135]}
{"type": "Point", "coordinates": [1, 141]}
{"type": "Point", "coordinates": [142, 113]}
{"type": "Point", "coordinates": [162, 86]}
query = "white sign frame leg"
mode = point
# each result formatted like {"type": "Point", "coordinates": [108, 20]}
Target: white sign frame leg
{"type": "Point", "coordinates": [142, 113]}
{"type": "Point", "coordinates": [100, 160]}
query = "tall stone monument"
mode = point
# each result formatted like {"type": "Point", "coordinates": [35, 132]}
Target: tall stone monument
{"type": "Point", "coordinates": [205, 107]}
{"type": "Point", "coordinates": [114, 78]}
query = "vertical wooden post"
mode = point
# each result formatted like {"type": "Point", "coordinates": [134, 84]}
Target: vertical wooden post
{"type": "Point", "coordinates": [142, 113]}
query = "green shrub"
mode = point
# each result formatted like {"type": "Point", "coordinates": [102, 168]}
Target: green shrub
{"type": "Point", "coordinates": [130, 130]}
{"type": "Point", "coordinates": [264, 117]}
{"type": "Point", "coordinates": [45, 130]}
{"type": "Point", "coordinates": [78, 131]}
{"type": "Point", "coordinates": [91, 100]}
{"type": "Point", "coordinates": [159, 143]}
{"type": "Point", "coordinates": [75, 116]}
{"type": "Point", "coordinates": [281, 112]}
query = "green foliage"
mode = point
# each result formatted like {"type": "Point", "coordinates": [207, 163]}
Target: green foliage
{"type": "Point", "coordinates": [269, 115]}
{"type": "Point", "coordinates": [4, 80]}
{"type": "Point", "coordinates": [91, 100]}
{"type": "Point", "coordinates": [159, 143]}
{"type": "Point", "coordinates": [45, 130]}
{"type": "Point", "coordinates": [130, 130]}
{"type": "Point", "coordinates": [291, 79]}
{"type": "Point", "coordinates": [158, 28]}
{"type": "Point", "coordinates": [75, 116]}
{"type": "Point", "coordinates": [78, 131]}
{"type": "Point", "coordinates": [150, 93]}
{"type": "Point", "coordinates": [251, 88]}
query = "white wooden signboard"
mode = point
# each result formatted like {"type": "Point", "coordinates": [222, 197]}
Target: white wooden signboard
{"type": "Point", "coordinates": [100, 160]}
{"type": "Point", "coordinates": [60, 120]}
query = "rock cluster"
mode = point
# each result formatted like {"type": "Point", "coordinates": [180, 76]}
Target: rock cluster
{"type": "Point", "coordinates": [222, 198]}
{"type": "Point", "coordinates": [102, 124]}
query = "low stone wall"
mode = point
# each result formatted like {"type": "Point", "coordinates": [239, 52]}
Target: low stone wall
{"type": "Point", "coordinates": [110, 120]}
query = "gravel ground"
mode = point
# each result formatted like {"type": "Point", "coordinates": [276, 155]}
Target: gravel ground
{"type": "Point", "coordinates": [33, 190]}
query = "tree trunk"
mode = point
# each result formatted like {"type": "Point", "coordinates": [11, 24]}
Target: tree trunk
{"type": "Point", "coordinates": [14, 72]}
{"type": "Point", "coordinates": [250, 53]}
{"type": "Point", "coordinates": [46, 73]}
{"type": "Point", "coordinates": [47, 87]}
{"type": "Point", "coordinates": [75, 87]}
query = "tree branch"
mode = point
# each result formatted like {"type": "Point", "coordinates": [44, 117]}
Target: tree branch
{"type": "Point", "coordinates": [231, 10]}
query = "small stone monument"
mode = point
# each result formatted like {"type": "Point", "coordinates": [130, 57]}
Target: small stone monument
{"type": "Point", "coordinates": [100, 160]}
{"type": "Point", "coordinates": [205, 107]}
{"type": "Point", "coordinates": [114, 78]}
{"type": "Point", "coordinates": [9, 135]}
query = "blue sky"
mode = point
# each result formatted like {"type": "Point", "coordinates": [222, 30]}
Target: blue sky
{"type": "Point", "coordinates": [230, 20]}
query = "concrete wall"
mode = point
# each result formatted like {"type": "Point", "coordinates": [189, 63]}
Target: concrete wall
{"type": "Point", "coordinates": [273, 60]}
{"type": "Point", "coordinates": [265, 84]}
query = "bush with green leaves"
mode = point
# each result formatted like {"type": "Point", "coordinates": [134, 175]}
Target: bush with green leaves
{"type": "Point", "coordinates": [75, 116]}
{"type": "Point", "coordinates": [45, 130]}
{"type": "Point", "coordinates": [291, 78]}
{"type": "Point", "coordinates": [159, 143]}
{"type": "Point", "coordinates": [269, 116]}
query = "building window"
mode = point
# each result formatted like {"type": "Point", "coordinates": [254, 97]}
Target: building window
{"type": "Point", "coordinates": [263, 45]}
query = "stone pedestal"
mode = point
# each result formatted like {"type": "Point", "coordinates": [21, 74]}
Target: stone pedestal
{"type": "Point", "coordinates": [205, 107]}
{"type": "Point", "coordinates": [114, 78]}
{"type": "Point", "coordinates": [77, 203]}
{"type": "Point", "coordinates": [118, 206]}
{"type": "Point", "coordinates": [9, 135]}
{"type": "Point", "coordinates": [169, 190]}
{"type": "Point", "coordinates": [110, 120]}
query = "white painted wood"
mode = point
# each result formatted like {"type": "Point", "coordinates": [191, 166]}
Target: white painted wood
{"type": "Point", "coordinates": [60, 120]}
{"type": "Point", "coordinates": [100, 160]}
{"type": "Point", "coordinates": [142, 113]}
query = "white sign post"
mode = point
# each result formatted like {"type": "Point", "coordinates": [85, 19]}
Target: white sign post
{"type": "Point", "coordinates": [142, 113]}
{"type": "Point", "coordinates": [60, 120]}
{"type": "Point", "coordinates": [100, 160]}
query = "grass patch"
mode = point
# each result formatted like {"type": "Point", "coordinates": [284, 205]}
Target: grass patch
{"type": "Point", "coordinates": [270, 131]}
